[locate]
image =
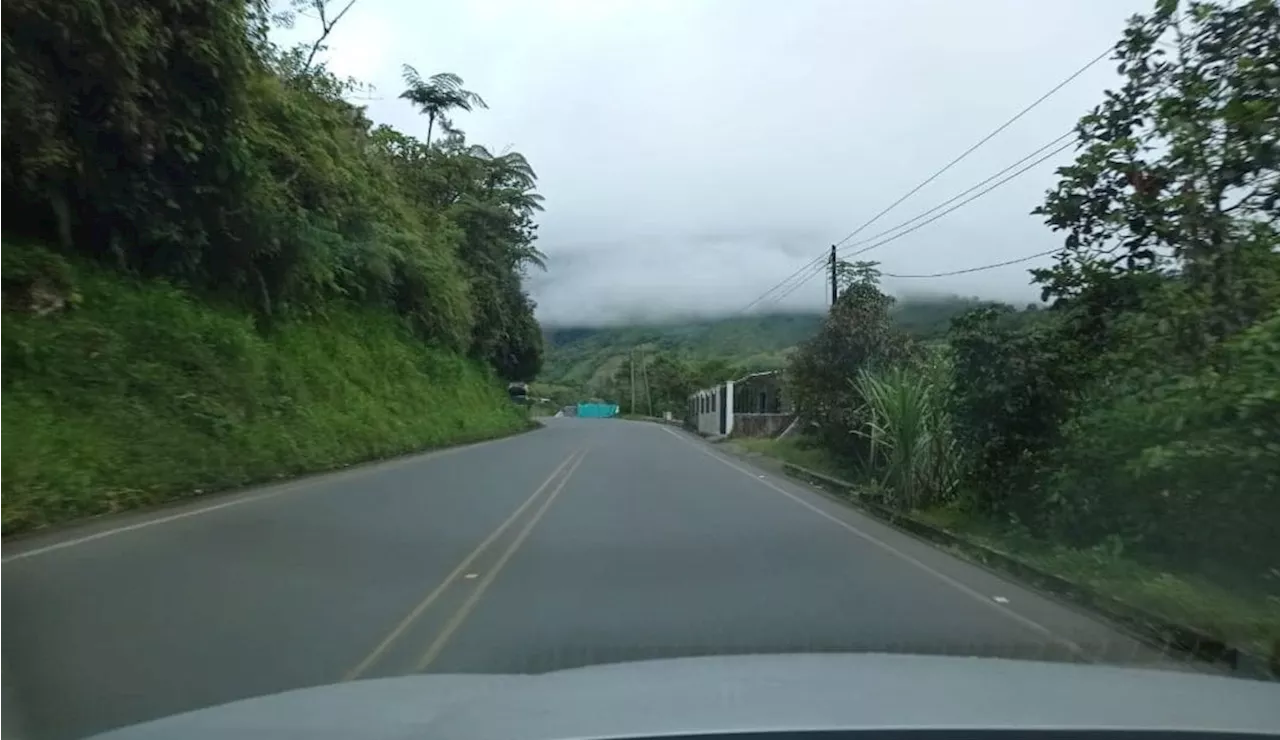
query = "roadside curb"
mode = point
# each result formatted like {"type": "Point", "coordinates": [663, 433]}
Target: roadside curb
{"type": "Point", "coordinates": [652, 419]}
{"type": "Point", "coordinates": [1169, 637]}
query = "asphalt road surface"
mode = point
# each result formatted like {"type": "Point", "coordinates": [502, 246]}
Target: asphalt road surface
{"type": "Point", "coordinates": [588, 541]}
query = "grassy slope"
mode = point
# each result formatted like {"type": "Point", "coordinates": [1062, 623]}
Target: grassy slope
{"type": "Point", "coordinates": [141, 393]}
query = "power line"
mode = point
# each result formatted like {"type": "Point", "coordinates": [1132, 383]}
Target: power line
{"type": "Point", "coordinates": [962, 203]}
{"type": "Point", "coordinates": [974, 148]}
{"type": "Point", "coordinates": [821, 258]}
{"type": "Point", "coordinates": [818, 265]}
{"type": "Point", "coordinates": [794, 281]}
{"type": "Point", "coordinates": [959, 195]}
{"type": "Point", "coordinates": [814, 271]}
{"type": "Point", "coordinates": [980, 268]}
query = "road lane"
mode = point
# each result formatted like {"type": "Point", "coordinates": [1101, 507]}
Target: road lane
{"type": "Point", "coordinates": [655, 549]}
{"type": "Point", "coordinates": [588, 541]}
{"type": "Point", "coordinates": [280, 592]}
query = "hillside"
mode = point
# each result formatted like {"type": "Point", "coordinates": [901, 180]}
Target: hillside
{"type": "Point", "coordinates": [218, 268]}
{"type": "Point", "coordinates": [586, 358]}
{"type": "Point", "coordinates": [124, 393]}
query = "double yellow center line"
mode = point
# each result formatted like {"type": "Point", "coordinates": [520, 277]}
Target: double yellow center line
{"type": "Point", "coordinates": [558, 478]}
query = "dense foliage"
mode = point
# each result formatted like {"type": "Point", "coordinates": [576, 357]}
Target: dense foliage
{"type": "Point", "coordinates": [857, 335]}
{"type": "Point", "coordinates": [1140, 412]}
{"type": "Point", "coordinates": [173, 139]}
{"type": "Point", "coordinates": [218, 270]}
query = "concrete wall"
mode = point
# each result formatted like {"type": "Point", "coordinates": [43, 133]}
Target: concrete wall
{"type": "Point", "coordinates": [760, 425]}
{"type": "Point", "coordinates": [705, 410]}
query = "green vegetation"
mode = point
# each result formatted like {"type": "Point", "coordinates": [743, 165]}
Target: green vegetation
{"type": "Point", "coordinates": [1243, 617]}
{"type": "Point", "coordinates": [143, 393]}
{"type": "Point", "coordinates": [800, 451]}
{"type": "Point", "coordinates": [180, 143]}
{"type": "Point", "coordinates": [588, 360]}
{"type": "Point", "coordinates": [1127, 435]}
{"type": "Point", "coordinates": [909, 434]}
{"type": "Point", "coordinates": [240, 276]}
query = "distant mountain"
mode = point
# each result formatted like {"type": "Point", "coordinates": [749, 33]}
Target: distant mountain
{"type": "Point", "coordinates": [586, 357]}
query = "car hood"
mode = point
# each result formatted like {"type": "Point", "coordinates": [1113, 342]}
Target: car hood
{"type": "Point", "coordinates": [741, 693]}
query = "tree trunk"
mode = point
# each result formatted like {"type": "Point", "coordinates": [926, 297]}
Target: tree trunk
{"type": "Point", "coordinates": [431, 122]}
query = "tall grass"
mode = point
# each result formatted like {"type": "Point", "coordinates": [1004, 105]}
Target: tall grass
{"type": "Point", "coordinates": [141, 393]}
{"type": "Point", "coordinates": [912, 453]}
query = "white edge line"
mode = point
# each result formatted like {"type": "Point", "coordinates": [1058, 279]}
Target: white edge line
{"type": "Point", "coordinates": [138, 525]}
{"type": "Point", "coordinates": [247, 498]}
{"type": "Point", "coordinates": [1025, 621]}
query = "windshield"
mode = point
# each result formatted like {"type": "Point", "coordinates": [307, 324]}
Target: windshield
{"type": "Point", "coordinates": [359, 339]}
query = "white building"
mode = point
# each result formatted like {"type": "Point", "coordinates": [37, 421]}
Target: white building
{"type": "Point", "coordinates": [752, 406]}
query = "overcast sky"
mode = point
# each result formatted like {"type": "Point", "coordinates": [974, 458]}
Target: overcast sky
{"type": "Point", "coordinates": [693, 153]}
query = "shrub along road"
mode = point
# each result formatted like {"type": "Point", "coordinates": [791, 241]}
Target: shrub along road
{"type": "Point", "coordinates": [589, 541]}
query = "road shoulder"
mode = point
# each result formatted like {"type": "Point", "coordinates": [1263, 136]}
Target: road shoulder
{"type": "Point", "coordinates": [1092, 636]}
{"type": "Point", "coordinates": [67, 534]}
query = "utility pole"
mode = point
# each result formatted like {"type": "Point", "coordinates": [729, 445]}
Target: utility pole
{"type": "Point", "coordinates": [631, 360]}
{"type": "Point", "coordinates": [835, 287]}
{"type": "Point", "coordinates": [644, 378]}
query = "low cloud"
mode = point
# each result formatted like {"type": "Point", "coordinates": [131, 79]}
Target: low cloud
{"type": "Point", "coordinates": [692, 155]}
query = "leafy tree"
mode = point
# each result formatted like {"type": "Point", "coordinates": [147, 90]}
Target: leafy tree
{"type": "Point", "coordinates": [1183, 467]}
{"type": "Point", "coordinates": [1177, 172]}
{"type": "Point", "coordinates": [670, 383]}
{"type": "Point", "coordinates": [1138, 410]}
{"type": "Point", "coordinates": [662, 383]}
{"type": "Point", "coordinates": [178, 141]}
{"type": "Point", "coordinates": [1009, 393]}
{"type": "Point", "coordinates": [857, 335]}
{"type": "Point", "coordinates": [105, 148]}
{"type": "Point", "coordinates": [713, 371]}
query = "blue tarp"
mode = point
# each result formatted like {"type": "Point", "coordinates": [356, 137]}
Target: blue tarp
{"type": "Point", "coordinates": [597, 410]}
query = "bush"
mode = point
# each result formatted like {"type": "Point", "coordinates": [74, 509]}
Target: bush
{"type": "Point", "coordinates": [912, 450]}
{"type": "Point", "coordinates": [1185, 469]}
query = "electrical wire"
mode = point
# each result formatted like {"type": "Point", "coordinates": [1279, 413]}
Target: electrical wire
{"type": "Point", "coordinates": [813, 272]}
{"type": "Point", "coordinates": [820, 259]}
{"type": "Point", "coordinates": [795, 280]}
{"type": "Point", "coordinates": [817, 265]}
{"type": "Point", "coordinates": [980, 268]}
{"type": "Point", "coordinates": [962, 203]}
{"type": "Point", "coordinates": [974, 148]}
{"type": "Point", "coordinates": [959, 195]}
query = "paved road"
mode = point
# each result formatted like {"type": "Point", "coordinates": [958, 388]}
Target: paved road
{"type": "Point", "coordinates": [588, 541]}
